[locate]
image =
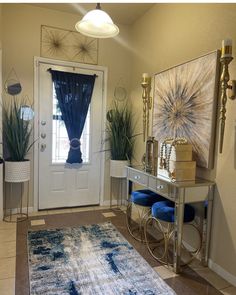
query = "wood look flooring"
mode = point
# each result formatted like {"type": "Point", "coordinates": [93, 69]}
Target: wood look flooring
{"type": "Point", "coordinates": [189, 282]}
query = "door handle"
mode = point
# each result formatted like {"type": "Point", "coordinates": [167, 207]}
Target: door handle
{"type": "Point", "coordinates": [42, 147]}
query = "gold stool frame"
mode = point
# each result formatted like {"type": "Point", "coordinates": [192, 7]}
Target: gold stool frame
{"type": "Point", "coordinates": [142, 216]}
{"type": "Point", "coordinates": [167, 235]}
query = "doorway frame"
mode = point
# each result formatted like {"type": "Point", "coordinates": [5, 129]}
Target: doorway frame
{"type": "Point", "coordinates": [37, 61]}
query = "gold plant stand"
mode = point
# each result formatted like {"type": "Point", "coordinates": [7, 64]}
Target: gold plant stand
{"type": "Point", "coordinates": [14, 215]}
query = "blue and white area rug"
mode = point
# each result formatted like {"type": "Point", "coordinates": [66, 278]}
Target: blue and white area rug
{"type": "Point", "coordinates": [89, 260]}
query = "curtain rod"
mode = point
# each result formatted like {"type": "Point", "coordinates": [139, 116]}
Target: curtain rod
{"type": "Point", "coordinates": [49, 69]}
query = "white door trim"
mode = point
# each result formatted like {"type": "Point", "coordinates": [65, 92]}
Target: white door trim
{"type": "Point", "coordinates": [37, 61]}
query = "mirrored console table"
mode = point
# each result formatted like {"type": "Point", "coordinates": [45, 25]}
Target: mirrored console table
{"type": "Point", "coordinates": [200, 190]}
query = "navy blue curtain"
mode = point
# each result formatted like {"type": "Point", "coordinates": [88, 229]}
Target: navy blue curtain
{"type": "Point", "coordinates": [74, 93]}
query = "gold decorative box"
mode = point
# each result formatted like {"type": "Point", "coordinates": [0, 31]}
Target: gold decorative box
{"type": "Point", "coordinates": [179, 171]}
{"type": "Point", "coordinates": [180, 152]}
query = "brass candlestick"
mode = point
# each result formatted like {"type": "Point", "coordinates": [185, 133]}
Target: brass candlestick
{"type": "Point", "coordinates": [147, 103]}
{"type": "Point", "coordinates": [226, 58]}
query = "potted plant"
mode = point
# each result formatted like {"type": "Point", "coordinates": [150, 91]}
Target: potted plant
{"type": "Point", "coordinates": [120, 137]}
{"type": "Point", "coordinates": [17, 131]}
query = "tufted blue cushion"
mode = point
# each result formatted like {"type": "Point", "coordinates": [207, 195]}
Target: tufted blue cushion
{"type": "Point", "coordinates": [165, 210]}
{"type": "Point", "coordinates": [145, 198]}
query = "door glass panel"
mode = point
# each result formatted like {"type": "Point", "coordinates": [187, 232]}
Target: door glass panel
{"type": "Point", "coordinates": [60, 140]}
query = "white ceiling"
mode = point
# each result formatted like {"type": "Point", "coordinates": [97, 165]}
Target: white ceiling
{"type": "Point", "coordinates": [122, 13]}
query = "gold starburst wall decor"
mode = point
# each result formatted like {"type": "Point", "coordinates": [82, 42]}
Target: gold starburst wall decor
{"type": "Point", "coordinates": [68, 45]}
{"type": "Point", "coordinates": [185, 99]}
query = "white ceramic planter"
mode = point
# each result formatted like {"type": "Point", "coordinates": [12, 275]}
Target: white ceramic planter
{"type": "Point", "coordinates": [117, 168]}
{"type": "Point", "coordinates": [17, 171]}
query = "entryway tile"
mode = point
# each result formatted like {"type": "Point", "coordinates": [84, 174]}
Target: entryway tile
{"type": "Point", "coordinates": [229, 291]}
{"type": "Point", "coordinates": [7, 235]}
{"type": "Point", "coordinates": [38, 213]}
{"type": "Point", "coordinates": [108, 214]}
{"type": "Point", "coordinates": [7, 286]}
{"type": "Point", "coordinates": [82, 209]}
{"type": "Point", "coordinates": [101, 207]}
{"type": "Point", "coordinates": [7, 268]}
{"type": "Point", "coordinates": [7, 225]}
{"type": "Point", "coordinates": [37, 222]}
{"type": "Point", "coordinates": [59, 211]}
{"type": "Point", "coordinates": [214, 279]}
{"type": "Point", "coordinates": [8, 249]}
{"type": "Point", "coordinates": [165, 272]}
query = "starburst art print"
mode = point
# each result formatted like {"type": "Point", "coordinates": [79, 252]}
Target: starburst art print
{"type": "Point", "coordinates": [185, 100]}
{"type": "Point", "coordinates": [84, 48]}
{"type": "Point", "coordinates": [68, 45]}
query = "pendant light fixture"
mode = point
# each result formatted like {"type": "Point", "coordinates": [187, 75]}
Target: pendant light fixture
{"type": "Point", "coordinates": [97, 24]}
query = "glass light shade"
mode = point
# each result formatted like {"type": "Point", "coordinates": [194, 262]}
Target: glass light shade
{"type": "Point", "coordinates": [97, 24]}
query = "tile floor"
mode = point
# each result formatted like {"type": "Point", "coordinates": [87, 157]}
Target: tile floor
{"type": "Point", "coordinates": [8, 256]}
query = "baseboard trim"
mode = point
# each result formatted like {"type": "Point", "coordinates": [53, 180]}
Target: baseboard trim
{"type": "Point", "coordinates": [222, 272]}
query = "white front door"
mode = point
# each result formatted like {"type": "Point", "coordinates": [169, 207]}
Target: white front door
{"type": "Point", "coordinates": [60, 186]}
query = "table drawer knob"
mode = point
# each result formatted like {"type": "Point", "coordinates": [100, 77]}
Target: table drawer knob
{"type": "Point", "coordinates": [137, 177]}
{"type": "Point", "coordinates": [161, 186]}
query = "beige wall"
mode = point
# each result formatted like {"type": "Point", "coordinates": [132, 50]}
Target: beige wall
{"type": "Point", "coordinates": [21, 42]}
{"type": "Point", "coordinates": [169, 34]}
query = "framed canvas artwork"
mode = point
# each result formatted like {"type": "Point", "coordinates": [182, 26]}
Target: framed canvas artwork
{"type": "Point", "coordinates": [185, 99]}
{"type": "Point", "coordinates": [68, 45]}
